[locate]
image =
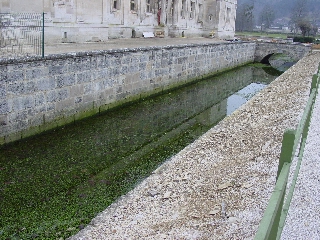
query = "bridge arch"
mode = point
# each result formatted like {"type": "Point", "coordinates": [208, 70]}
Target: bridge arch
{"type": "Point", "coordinates": [265, 50]}
{"type": "Point", "coordinates": [265, 60]}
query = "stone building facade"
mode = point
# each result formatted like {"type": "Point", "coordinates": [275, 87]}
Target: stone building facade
{"type": "Point", "coordinates": [99, 20]}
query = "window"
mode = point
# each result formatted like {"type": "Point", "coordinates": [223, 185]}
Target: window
{"type": "Point", "coordinates": [133, 5]}
{"type": "Point", "coordinates": [116, 4]}
{"type": "Point", "coordinates": [200, 16]}
{"type": "Point", "coordinates": [183, 9]}
{"type": "Point", "coordinates": [149, 9]}
{"type": "Point", "coordinates": [192, 9]}
{"type": "Point", "coordinates": [228, 15]}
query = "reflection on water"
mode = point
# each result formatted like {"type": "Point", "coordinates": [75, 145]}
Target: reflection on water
{"type": "Point", "coordinates": [239, 98]}
{"type": "Point", "coordinates": [62, 179]}
{"type": "Point", "coordinates": [284, 67]}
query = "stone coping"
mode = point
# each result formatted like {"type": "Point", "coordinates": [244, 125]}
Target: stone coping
{"type": "Point", "coordinates": [103, 52]}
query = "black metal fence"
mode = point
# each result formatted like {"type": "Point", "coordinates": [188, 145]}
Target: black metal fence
{"type": "Point", "coordinates": [21, 34]}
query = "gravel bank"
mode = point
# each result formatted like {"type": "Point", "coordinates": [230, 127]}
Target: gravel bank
{"type": "Point", "coordinates": [303, 219]}
{"type": "Point", "coordinates": [219, 186]}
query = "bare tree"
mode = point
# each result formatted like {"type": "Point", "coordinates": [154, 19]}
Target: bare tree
{"type": "Point", "coordinates": [267, 16]}
{"type": "Point", "coordinates": [298, 14]}
{"type": "Point", "coordinates": [305, 27]}
{"type": "Point", "coordinates": [245, 17]}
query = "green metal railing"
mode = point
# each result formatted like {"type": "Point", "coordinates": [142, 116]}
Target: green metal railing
{"type": "Point", "coordinates": [275, 215]}
{"type": "Point", "coordinates": [21, 34]}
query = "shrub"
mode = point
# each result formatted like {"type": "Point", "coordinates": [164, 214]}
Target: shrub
{"type": "Point", "coordinates": [304, 39]}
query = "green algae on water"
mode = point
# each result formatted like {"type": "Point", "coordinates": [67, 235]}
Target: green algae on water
{"type": "Point", "coordinates": [53, 184]}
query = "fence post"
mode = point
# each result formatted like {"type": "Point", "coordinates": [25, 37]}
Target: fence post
{"type": "Point", "coordinates": [314, 82]}
{"type": "Point", "coordinates": [268, 228]}
{"type": "Point", "coordinates": [286, 148]}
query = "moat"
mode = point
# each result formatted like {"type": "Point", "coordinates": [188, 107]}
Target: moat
{"type": "Point", "coordinates": [53, 184]}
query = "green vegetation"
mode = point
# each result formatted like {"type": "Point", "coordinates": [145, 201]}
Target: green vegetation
{"type": "Point", "coordinates": [304, 39]}
{"type": "Point", "coordinates": [262, 34]}
{"type": "Point", "coordinates": [55, 190]}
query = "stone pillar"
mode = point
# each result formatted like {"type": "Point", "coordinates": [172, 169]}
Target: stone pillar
{"type": "Point", "coordinates": [169, 13]}
{"type": "Point", "coordinates": [163, 17]}
{"type": "Point", "coordinates": [106, 10]}
{"type": "Point", "coordinates": [175, 16]}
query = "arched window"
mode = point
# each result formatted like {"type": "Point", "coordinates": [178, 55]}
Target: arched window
{"type": "Point", "coordinates": [133, 5]}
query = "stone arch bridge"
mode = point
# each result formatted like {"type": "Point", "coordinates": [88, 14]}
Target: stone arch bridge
{"type": "Point", "coordinates": [265, 50]}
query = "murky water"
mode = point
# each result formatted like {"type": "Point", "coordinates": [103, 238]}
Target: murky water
{"type": "Point", "coordinates": [53, 184]}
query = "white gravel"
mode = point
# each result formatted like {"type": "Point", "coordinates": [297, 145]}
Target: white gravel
{"type": "Point", "coordinates": [303, 219]}
{"type": "Point", "coordinates": [219, 186]}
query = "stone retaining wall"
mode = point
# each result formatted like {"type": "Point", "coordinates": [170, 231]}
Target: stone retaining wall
{"type": "Point", "coordinates": [38, 94]}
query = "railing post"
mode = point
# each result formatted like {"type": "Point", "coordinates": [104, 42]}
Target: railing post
{"type": "Point", "coordinates": [268, 228]}
{"type": "Point", "coordinates": [286, 148]}
{"type": "Point", "coordinates": [314, 82]}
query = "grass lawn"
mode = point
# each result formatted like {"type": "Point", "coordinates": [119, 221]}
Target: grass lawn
{"type": "Point", "coordinates": [262, 34]}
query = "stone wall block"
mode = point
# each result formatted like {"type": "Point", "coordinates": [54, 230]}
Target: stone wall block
{"type": "Point", "coordinates": [65, 104]}
{"type": "Point", "coordinates": [88, 88]}
{"type": "Point", "coordinates": [16, 75]}
{"type": "Point", "coordinates": [18, 119]}
{"type": "Point", "coordinates": [142, 66]}
{"type": "Point", "coordinates": [101, 61]}
{"type": "Point", "coordinates": [86, 63]}
{"type": "Point", "coordinates": [51, 96]}
{"type": "Point", "coordinates": [58, 67]}
{"type": "Point", "coordinates": [65, 80]}
{"type": "Point", "coordinates": [3, 91]}
{"type": "Point", "coordinates": [124, 69]}
{"type": "Point", "coordinates": [76, 90]}
{"type": "Point", "coordinates": [15, 67]}
{"type": "Point", "coordinates": [144, 57]}
{"type": "Point", "coordinates": [132, 68]}
{"type": "Point", "coordinates": [57, 95]}
{"type": "Point", "coordinates": [50, 106]}
{"type": "Point", "coordinates": [100, 74]}
{"type": "Point", "coordinates": [22, 103]}
{"type": "Point", "coordinates": [88, 98]}
{"type": "Point", "coordinates": [4, 108]}
{"type": "Point", "coordinates": [37, 120]}
{"type": "Point", "coordinates": [3, 121]}
{"type": "Point", "coordinates": [75, 65]}
{"type": "Point", "coordinates": [39, 99]}
{"type": "Point", "coordinates": [36, 73]}
{"type": "Point", "coordinates": [3, 74]}
{"type": "Point", "coordinates": [15, 88]}
{"type": "Point", "coordinates": [45, 83]}
{"type": "Point", "coordinates": [83, 77]}
{"type": "Point", "coordinates": [30, 87]}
